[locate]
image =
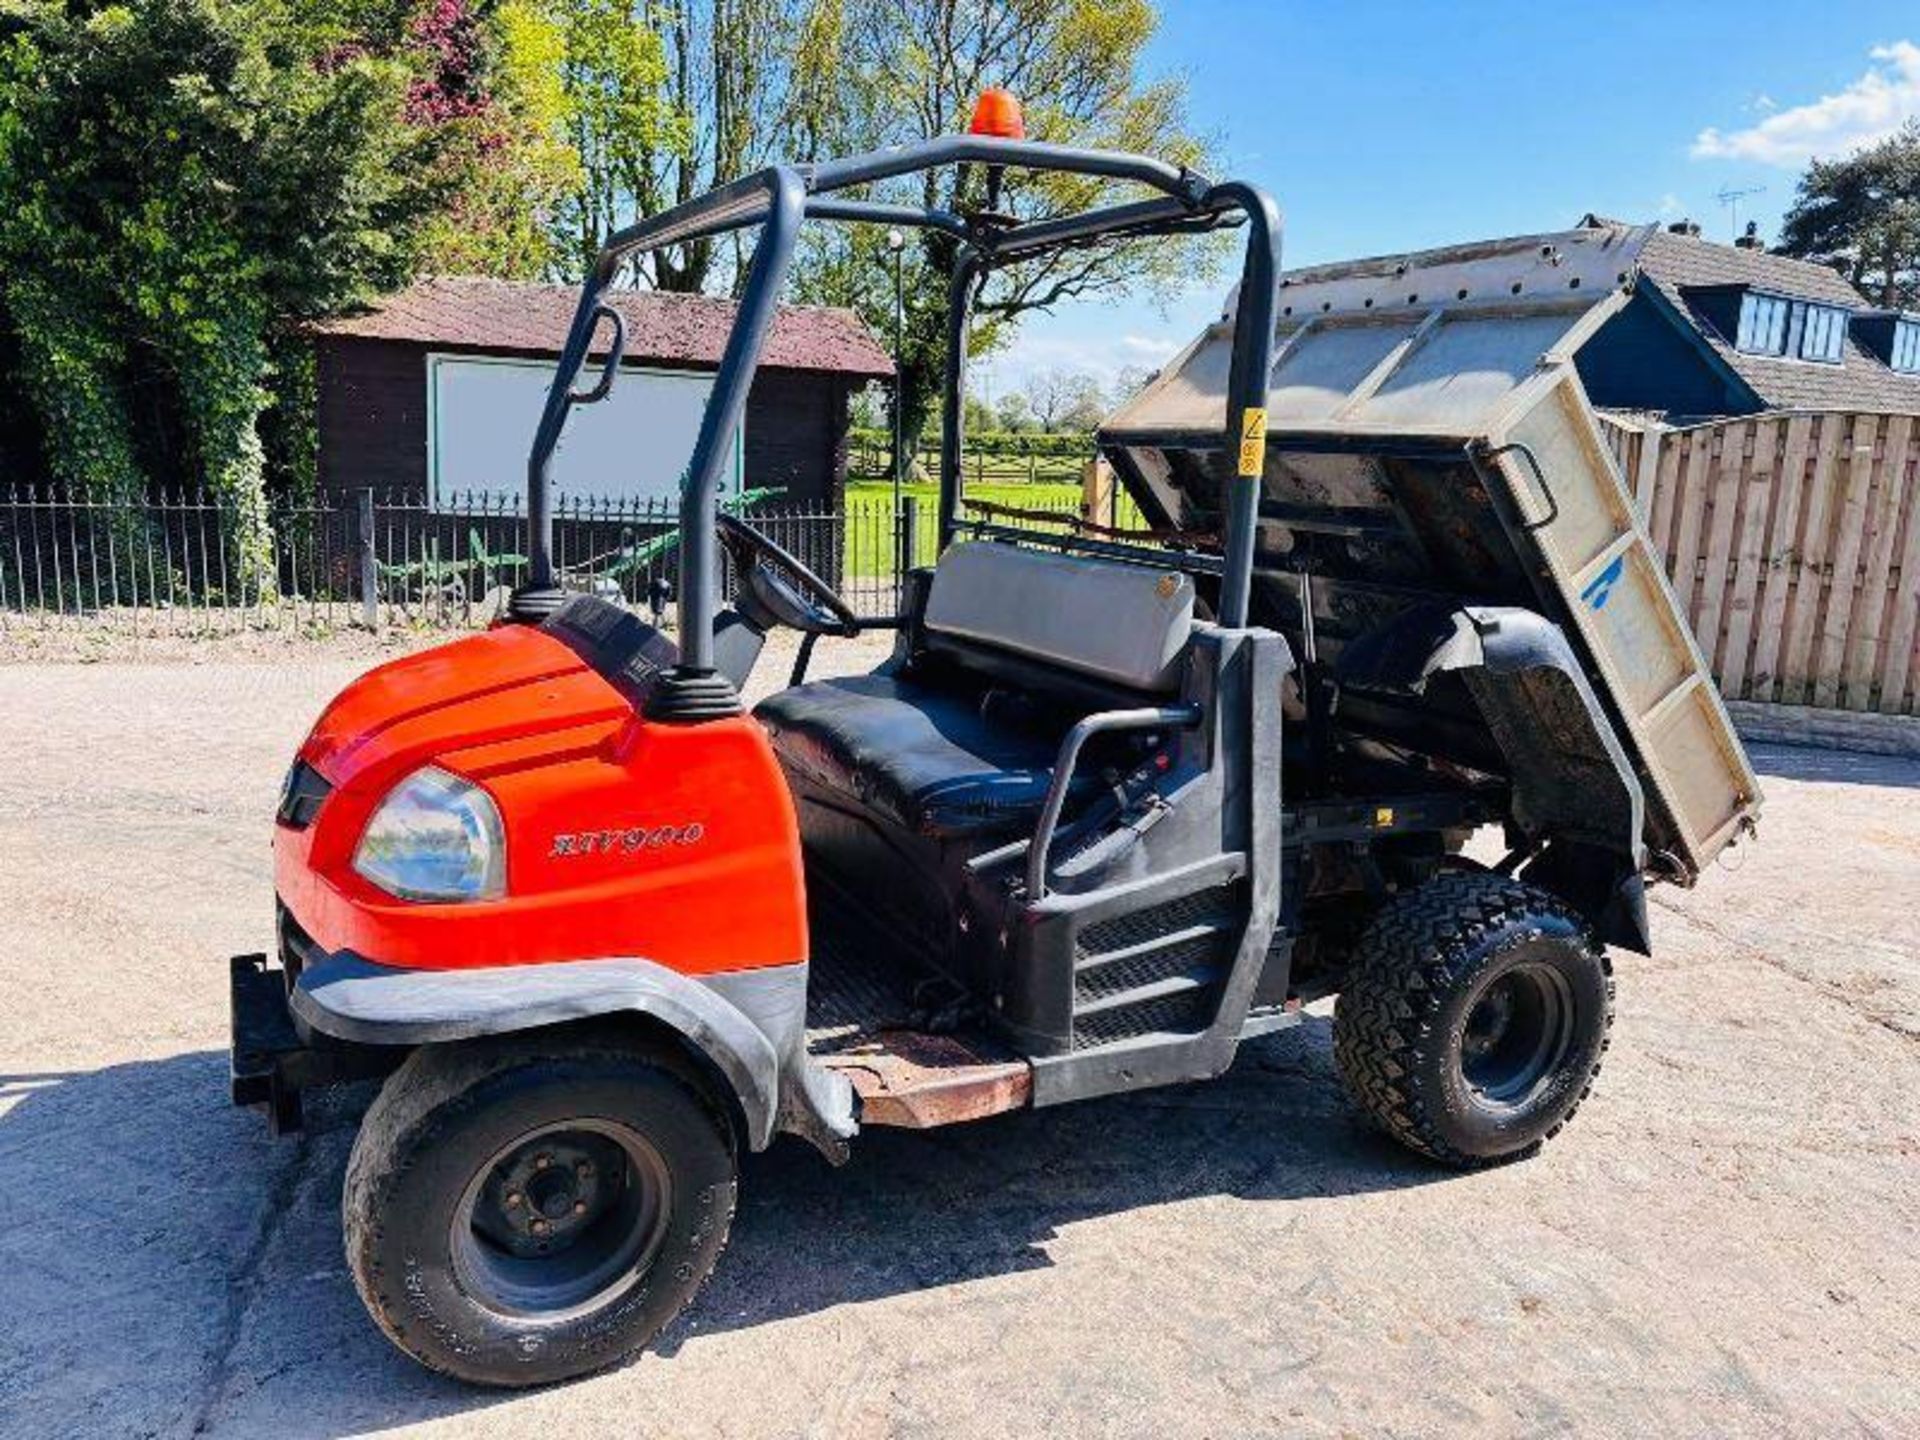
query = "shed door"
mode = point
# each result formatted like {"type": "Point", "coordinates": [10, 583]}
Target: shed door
{"type": "Point", "coordinates": [634, 445]}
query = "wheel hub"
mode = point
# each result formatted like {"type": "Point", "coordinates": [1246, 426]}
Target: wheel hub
{"type": "Point", "coordinates": [1490, 1020]}
{"type": "Point", "coordinates": [1516, 1034]}
{"type": "Point", "coordinates": [548, 1190]}
{"type": "Point", "coordinates": [560, 1218]}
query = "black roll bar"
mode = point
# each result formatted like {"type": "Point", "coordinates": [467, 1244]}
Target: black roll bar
{"type": "Point", "coordinates": [541, 595]}
{"type": "Point", "coordinates": [990, 150]}
{"type": "Point", "coordinates": [1248, 374]}
{"type": "Point", "coordinates": [777, 199]}
{"type": "Point", "coordinates": [969, 271]}
{"type": "Point", "coordinates": [877, 212]}
{"type": "Point", "coordinates": [1103, 222]}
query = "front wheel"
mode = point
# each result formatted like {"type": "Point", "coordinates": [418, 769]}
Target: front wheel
{"type": "Point", "coordinates": [1474, 1018]}
{"type": "Point", "coordinates": [518, 1212]}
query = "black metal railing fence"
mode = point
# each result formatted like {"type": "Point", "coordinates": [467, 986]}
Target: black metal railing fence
{"type": "Point", "coordinates": [170, 563]}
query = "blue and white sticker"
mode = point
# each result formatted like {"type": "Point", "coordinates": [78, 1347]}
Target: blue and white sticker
{"type": "Point", "coordinates": [1600, 589]}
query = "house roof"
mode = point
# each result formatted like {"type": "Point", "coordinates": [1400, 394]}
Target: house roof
{"type": "Point", "coordinates": [1601, 257]}
{"type": "Point", "coordinates": [475, 314]}
{"type": "Point", "coordinates": [1676, 264]}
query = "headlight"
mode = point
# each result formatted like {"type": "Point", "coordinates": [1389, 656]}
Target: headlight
{"type": "Point", "coordinates": [435, 837]}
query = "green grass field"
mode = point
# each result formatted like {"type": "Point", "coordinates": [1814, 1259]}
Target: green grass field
{"type": "Point", "coordinates": [870, 535]}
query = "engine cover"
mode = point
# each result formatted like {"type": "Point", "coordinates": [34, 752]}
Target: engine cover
{"type": "Point", "coordinates": [671, 842]}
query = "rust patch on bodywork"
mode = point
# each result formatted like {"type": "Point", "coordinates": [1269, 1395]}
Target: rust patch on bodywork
{"type": "Point", "coordinates": [917, 1081]}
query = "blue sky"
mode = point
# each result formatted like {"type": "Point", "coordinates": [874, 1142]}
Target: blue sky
{"type": "Point", "coordinates": [1393, 126]}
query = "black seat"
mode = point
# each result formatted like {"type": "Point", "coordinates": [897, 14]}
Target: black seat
{"type": "Point", "coordinates": [945, 762]}
{"type": "Point", "coordinates": [1014, 646]}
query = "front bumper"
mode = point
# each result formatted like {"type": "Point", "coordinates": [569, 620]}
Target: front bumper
{"type": "Point", "coordinates": [269, 1060]}
{"type": "Point", "coordinates": [344, 1018]}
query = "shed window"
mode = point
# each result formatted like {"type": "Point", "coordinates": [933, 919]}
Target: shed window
{"type": "Point", "coordinates": [1906, 346]}
{"type": "Point", "coordinates": [1771, 325]}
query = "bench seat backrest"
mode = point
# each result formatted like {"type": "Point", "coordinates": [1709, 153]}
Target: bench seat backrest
{"type": "Point", "coordinates": [1114, 623]}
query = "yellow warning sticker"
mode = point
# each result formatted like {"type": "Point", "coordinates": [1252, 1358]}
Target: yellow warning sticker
{"type": "Point", "coordinates": [1253, 440]}
{"type": "Point", "coordinates": [1383, 816]}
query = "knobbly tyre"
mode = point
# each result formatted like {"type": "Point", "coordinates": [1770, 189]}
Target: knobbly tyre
{"type": "Point", "coordinates": [1120, 801]}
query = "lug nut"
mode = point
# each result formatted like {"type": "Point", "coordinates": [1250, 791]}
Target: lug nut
{"type": "Point", "coordinates": [540, 1227]}
{"type": "Point", "coordinates": [583, 1170]}
{"type": "Point", "coordinates": [579, 1207]}
{"type": "Point", "coordinates": [541, 1162]}
{"type": "Point", "coordinates": [513, 1198]}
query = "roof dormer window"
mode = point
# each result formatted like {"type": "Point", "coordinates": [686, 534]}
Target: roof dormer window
{"type": "Point", "coordinates": [1905, 355]}
{"type": "Point", "coordinates": [1792, 329]}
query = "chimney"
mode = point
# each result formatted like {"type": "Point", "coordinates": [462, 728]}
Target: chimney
{"type": "Point", "coordinates": [1684, 227]}
{"type": "Point", "coordinates": [1751, 240]}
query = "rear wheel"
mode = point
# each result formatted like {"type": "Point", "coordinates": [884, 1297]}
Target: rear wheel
{"type": "Point", "coordinates": [517, 1214]}
{"type": "Point", "coordinates": [1474, 1018]}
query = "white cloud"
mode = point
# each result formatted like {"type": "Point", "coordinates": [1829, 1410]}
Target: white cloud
{"type": "Point", "coordinates": [1671, 206]}
{"type": "Point", "coordinates": [1150, 347]}
{"type": "Point", "coordinates": [1869, 109]}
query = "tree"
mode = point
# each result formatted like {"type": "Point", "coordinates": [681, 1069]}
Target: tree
{"type": "Point", "coordinates": [492, 91]}
{"type": "Point", "coordinates": [176, 178]}
{"type": "Point", "coordinates": [1015, 413]}
{"type": "Point", "coordinates": [911, 70]}
{"type": "Point", "coordinates": [748, 81]}
{"type": "Point", "coordinates": [1061, 399]}
{"type": "Point", "coordinates": [591, 76]}
{"type": "Point", "coordinates": [1129, 382]}
{"type": "Point", "coordinates": [1086, 404]}
{"type": "Point", "coordinates": [979, 414]}
{"type": "Point", "coordinates": [658, 102]}
{"type": "Point", "coordinates": [1861, 214]}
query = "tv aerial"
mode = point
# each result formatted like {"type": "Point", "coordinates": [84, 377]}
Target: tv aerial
{"type": "Point", "coordinates": [1730, 199]}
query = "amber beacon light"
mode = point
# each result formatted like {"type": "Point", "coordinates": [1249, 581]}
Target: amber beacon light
{"type": "Point", "coordinates": [997, 113]}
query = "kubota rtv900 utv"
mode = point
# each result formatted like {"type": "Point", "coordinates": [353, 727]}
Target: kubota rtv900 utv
{"type": "Point", "coordinates": [1120, 800]}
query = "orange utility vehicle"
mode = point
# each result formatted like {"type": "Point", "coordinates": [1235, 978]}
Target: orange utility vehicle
{"type": "Point", "coordinates": [1121, 800]}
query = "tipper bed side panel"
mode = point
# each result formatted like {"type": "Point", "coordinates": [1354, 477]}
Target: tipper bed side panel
{"type": "Point", "coordinates": [1614, 586]}
{"type": "Point", "coordinates": [1448, 454]}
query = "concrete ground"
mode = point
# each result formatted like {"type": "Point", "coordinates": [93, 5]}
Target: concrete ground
{"type": "Point", "coordinates": [1726, 1241]}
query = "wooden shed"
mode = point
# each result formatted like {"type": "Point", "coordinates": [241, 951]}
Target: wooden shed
{"type": "Point", "coordinates": [435, 393]}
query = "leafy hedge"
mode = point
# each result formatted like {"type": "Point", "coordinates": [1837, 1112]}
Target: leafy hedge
{"type": "Point", "coordinates": [999, 444]}
{"type": "Point", "coordinates": [180, 180]}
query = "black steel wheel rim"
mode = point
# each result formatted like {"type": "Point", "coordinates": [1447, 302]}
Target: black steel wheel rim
{"type": "Point", "coordinates": [562, 1220]}
{"type": "Point", "coordinates": [1517, 1033]}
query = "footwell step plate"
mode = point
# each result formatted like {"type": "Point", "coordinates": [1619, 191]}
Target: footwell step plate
{"type": "Point", "coordinates": [917, 1081]}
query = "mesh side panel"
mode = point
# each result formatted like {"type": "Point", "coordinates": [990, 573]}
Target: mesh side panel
{"type": "Point", "coordinates": [1141, 926]}
{"type": "Point", "coordinates": [1181, 959]}
{"type": "Point", "coordinates": [1191, 1011]}
{"type": "Point", "coordinates": [1188, 1011]}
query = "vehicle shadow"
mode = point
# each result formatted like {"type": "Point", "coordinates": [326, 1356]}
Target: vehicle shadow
{"type": "Point", "coordinates": [172, 1270]}
{"type": "Point", "coordinates": [1836, 767]}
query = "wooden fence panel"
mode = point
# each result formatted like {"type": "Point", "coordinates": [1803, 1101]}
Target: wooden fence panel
{"type": "Point", "coordinates": [1690, 519]}
{"type": "Point", "coordinates": [1810, 564]}
{"type": "Point", "coordinates": [1659, 508]}
{"type": "Point", "coordinates": [1783, 527]}
{"type": "Point", "coordinates": [1731, 461]}
{"type": "Point", "coordinates": [1862, 653]}
{"type": "Point", "coordinates": [1793, 542]}
{"type": "Point", "coordinates": [1903, 628]}
{"type": "Point", "coordinates": [1847, 531]}
{"type": "Point", "coordinates": [1757, 485]}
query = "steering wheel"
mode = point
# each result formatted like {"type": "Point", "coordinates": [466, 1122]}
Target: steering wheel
{"type": "Point", "coordinates": [776, 589]}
